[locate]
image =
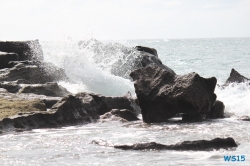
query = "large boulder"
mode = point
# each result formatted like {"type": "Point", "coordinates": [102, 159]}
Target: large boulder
{"type": "Point", "coordinates": [27, 50]}
{"type": "Point", "coordinates": [199, 145]}
{"type": "Point", "coordinates": [162, 94]}
{"type": "Point", "coordinates": [235, 77]}
{"type": "Point", "coordinates": [5, 58]}
{"type": "Point", "coordinates": [48, 89]}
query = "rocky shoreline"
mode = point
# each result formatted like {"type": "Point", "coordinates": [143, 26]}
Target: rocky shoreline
{"type": "Point", "coordinates": [30, 98]}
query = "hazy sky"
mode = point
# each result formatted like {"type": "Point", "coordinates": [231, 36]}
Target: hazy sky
{"type": "Point", "coordinates": [123, 19]}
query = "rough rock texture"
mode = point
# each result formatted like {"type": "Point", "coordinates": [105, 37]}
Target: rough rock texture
{"type": "Point", "coordinates": [217, 110]}
{"type": "Point", "coordinates": [11, 86]}
{"type": "Point", "coordinates": [162, 94]}
{"type": "Point", "coordinates": [5, 58]}
{"type": "Point", "coordinates": [27, 50]}
{"type": "Point", "coordinates": [200, 145]}
{"type": "Point", "coordinates": [121, 115]}
{"type": "Point", "coordinates": [70, 110]}
{"type": "Point", "coordinates": [147, 49]}
{"type": "Point", "coordinates": [48, 89]}
{"type": "Point", "coordinates": [235, 77]}
{"type": "Point", "coordinates": [31, 72]}
{"type": "Point", "coordinates": [103, 104]}
{"type": "Point", "coordinates": [49, 101]}
{"type": "Point", "coordinates": [11, 107]}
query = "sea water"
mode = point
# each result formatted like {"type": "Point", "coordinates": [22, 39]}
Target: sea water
{"type": "Point", "coordinates": [73, 145]}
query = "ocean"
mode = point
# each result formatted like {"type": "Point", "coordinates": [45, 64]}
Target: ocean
{"type": "Point", "coordinates": [89, 70]}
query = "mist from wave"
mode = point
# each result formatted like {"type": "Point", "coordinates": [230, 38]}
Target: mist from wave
{"type": "Point", "coordinates": [89, 64]}
{"type": "Point", "coordinates": [83, 70]}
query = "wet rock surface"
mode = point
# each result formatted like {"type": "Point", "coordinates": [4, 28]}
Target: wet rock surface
{"type": "Point", "coordinates": [147, 49]}
{"type": "Point", "coordinates": [200, 145]}
{"type": "Point", "coordinates": [70, 110]}
{"type": "Point", "coordinates": [162, 94]}
{"type": "Point", "coordinates": [120, 115]}
{"type": "Point", "coordinates": [48, 89]}
{"type": "Point", "coordinates": [235, 77]}
{"type": "Point", "coordinates": [5, 58]}
{"type": "Point", "coordinates": [217, 110]}
{"type": "Point", "coordinates": [26, 50]}
{"type": "Point", "coordinates": [31, 72]}
{"type": "Point", "coordinates": [103, 104]}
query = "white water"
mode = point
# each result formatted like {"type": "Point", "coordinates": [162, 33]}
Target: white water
{"type": "Point", "coordinates": [72, 145]}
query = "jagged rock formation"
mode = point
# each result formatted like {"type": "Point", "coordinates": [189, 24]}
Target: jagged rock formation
{"type": "Point", "coordinates": [162, 94]}
{"type": "Point", "coordinates": [235, 77]}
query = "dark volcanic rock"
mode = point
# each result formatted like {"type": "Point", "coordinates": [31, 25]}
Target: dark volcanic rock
{"type": "Point", "coordinates": [200, 145]}
{"type": "Point", "coordinates": [217, 110]}
{"type": "Point", "coordinates": [81, 108]}
{"type": "Point", "coordinates": [48, 89]}
{"type": "Point", "coordinates": [32, 72]}
{"type": "Point", "coordinates": [147, 49]}
{"type": "Point", "coordinates": [161, 94]}
{"type": "Point", "coordinates": [193, 117]}
{"type": "Point", "coordinates": [123, 115]}
{"type": "Point", "coordinates": [68, 111]}
{"type": "Point", "coordinates": [235, 77]}
{"type": "Point", "coordinates": [103, 104]}
{"type": "Point", "coordinates": [21, 70]}
{"type": "Point", "coordinates": [5, 58]}
{"type": "Point", "coordinates": [27, 50]}
{"type": "Point", "coordinates": [11, 86]}
{"type": "Point", "coordinates": [72, 109]}
{"type": "Point", "coordinates": [49, 101]}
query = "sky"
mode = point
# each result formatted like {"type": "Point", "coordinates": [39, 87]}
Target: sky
{"type": "Point", "coordinates": [123, 19]}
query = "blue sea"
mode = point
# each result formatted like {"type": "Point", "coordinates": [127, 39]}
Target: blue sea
{"type": "Point", "coordinates": [72, 145]}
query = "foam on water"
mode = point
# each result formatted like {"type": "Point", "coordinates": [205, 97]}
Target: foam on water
{"type": "Point", "coordinates": [236, 98]}
{"type": "Point", "coordinates": [84, 73]}
{"type": "Point", "coordinates": [74, 145]}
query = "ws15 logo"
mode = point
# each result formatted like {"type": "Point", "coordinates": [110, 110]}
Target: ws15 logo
{"type": "Point", "coordinates": [239, 158]}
